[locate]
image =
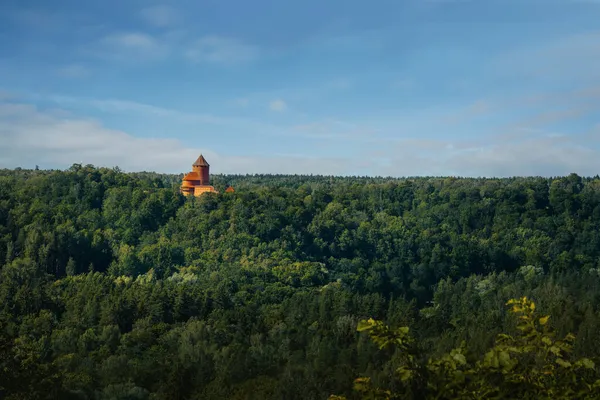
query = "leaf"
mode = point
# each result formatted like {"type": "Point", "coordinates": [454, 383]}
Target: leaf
{"type": "Point", "coordinates": [459, 358]}
{"type": "Point", "coordinates": [547, 340]}
{"type": "Point", "coordinates": [563, 363]}
{"type": "Point", "coordinates": [490, 359]}
{"type": "Point", "coordinates": [362, 384]}
{"type": "Point", "coordinates": [570, 337]}
{"type": "Point", "coordinates": [515, 349]}
{"type": "Point", "coordinates": [517, 309]}
{"type": "Point", "coordinates": [544, 320]}
{"type": "Point", "coordinates": [405, 373]}
{"type": "Point", "coordinates": [365, 325]}
{"type": "Point", "coordinates": [587, 363]}
{"type": "Point", "coordinates": [504, 358]}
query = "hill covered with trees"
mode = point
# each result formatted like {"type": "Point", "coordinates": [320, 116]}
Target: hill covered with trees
{"type": "Point", "coordinates": [115, 286]}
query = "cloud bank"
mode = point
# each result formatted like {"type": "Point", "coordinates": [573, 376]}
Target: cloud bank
{"type": "Point", "coordinates": [57, 139]}
{"type": "Point", "coordinates": [220, 50]}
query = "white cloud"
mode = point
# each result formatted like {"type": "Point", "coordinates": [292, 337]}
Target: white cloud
{"type": "Point", "coordinates": [407, 145]}
{"type": "Point", "coordinates": [34, 137]}
{"type": "Point", "coordinates": [130, 47]}
{"type": "Point", "coordinates": [543, 155]}
{"type": "Point", "coordinates": [132, 40]}
{"type": "Point", "coordinates": [277, 105]}
{"type": "Point", "coordinates": [138, 42]}
{"type": "Point", "coordinates": [74, 71]}
{"type": "Point", "coordinates": [5, 95]}
{"type": "Point", "coordinates": [160, 16]}
{"type": "Point", "coordinates": [536, 153]}
{"type": "Point", "coordinates": [128, 107]}
{"type": "Point", "coordinates": [328, 128]}
{"type": "Point", "coordinates": [220, 50]}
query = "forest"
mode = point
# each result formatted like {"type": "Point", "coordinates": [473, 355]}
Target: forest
{"type": "Point", "coordinates": [115, 286]}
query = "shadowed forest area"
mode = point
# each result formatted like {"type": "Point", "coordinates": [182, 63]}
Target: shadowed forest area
{"type": "Point", "coordinates": [115, 286]}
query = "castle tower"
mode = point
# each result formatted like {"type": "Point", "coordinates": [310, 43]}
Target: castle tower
{"type": "Point", "coordinates": [197, 182]}
{"type": "Point", "coordinates": [202, 167]}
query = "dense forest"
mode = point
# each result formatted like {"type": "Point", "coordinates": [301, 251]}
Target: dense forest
{"type": "Point", "coordinates": [115, 286]}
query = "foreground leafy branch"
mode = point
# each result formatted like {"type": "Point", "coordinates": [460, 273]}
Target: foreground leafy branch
{"type": "Point", "coordinates": [531, 365]}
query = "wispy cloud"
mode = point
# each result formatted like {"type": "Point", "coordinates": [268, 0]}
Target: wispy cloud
{"type": "Point", "coordinates": [5, 95]}
{"type": "Point", "coordinates": [301, 93]}
{"type": "Point", "coordinates": [148, 111]}
{"type": "Point", "coordinates": [31, 137]}
{"type": "Point", "coordinates": [130, 47]}
{"type": "Point", "coordinates": [548, 117]}
{"type": "Point", "coordinates": [277, 105]}
{"type": "Point", "coordinates": [34, 137]}
{"type": "Point", "coordinates": [161, 16]}
{"type": "Point", "coordinates": [535, 154]}
{"type": "Point", "coordinates": [328, 128]}
{"type": "Point", "coordinates": [574, 58]}
{"type": "Point", "coordinates": [220, 50]}
{"type": "Point", "coordinates": [143, 46]}
{"type": "Point", "coordinates": [473, 110]}
{"type": "Point", "coordinates": [137, 41]}
{"type": "Point", "coordinates": [129, 107]}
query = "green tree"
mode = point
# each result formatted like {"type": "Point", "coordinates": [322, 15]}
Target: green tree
{"type": "Point", "coordinates": [534, 364]}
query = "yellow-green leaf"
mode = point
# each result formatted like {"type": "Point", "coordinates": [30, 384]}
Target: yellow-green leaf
{"type": "Point", "coordinates": [459, 358]}
{"type": "Point", "coordinates": [504, 358]}
{"type": "Point", "coordinates": [544, 320]}
{"type": "Point", "coordinates": [365, 325]}
{"type": "Point", "coordinates": [587, 363]}
{"type": "Point", "coordinates": [547, 340]}
{"type": "Point", "coordinates": [563, 363]}
{"type": "Point", "coordinates": [405, 373]}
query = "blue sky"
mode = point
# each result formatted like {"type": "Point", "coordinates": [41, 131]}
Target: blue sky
{"type": "Point", "coordinates": [392, 88]}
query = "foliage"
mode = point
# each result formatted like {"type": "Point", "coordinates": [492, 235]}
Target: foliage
{"type": "Point", "coordinates": [531, 365]}
{"type": "Point", "coordinates": [113, 285]}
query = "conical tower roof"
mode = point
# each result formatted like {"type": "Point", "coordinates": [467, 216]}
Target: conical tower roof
{"type": "Point", "coordinates": [201, 162]}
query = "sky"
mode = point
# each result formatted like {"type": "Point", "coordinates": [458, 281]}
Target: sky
{"type": "Point", "coordinates": [379, 88]}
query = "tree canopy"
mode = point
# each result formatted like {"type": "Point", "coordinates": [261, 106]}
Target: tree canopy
{"type": "Point", "coordinates": [115, 286]}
